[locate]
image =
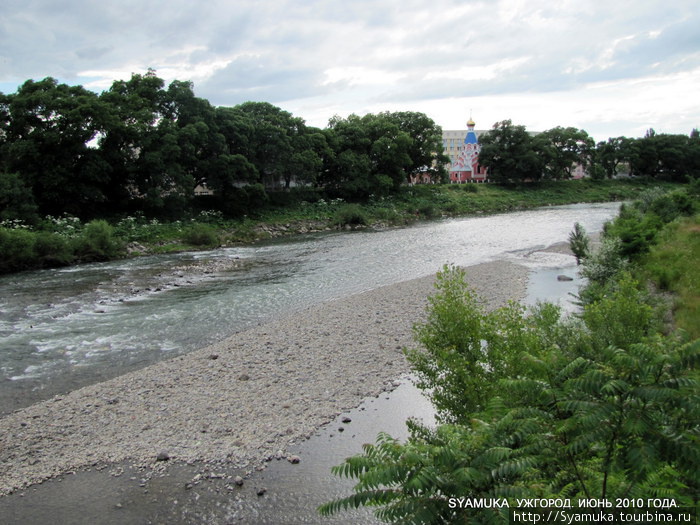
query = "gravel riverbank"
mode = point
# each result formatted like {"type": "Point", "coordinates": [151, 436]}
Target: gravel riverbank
{"type": "Point", "coordinates": [240, 400]}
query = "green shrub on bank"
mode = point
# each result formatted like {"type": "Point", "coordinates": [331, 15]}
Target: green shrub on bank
{"type": "Point", "coordinates": [350, 215]}
{"type": "Point", "coordinates": [52, 249]}
{"type": "Point", "coordinates": [579, 242]}
{"type": "Point", "coordinates": [639, 223]}
{"type": "Point", "coordinates": [201, 235]}
{"type": "Point", "coordinates": [537, 407]}
{"type": "Point", "coordinates": [16, 250]}
{"type": "Point", "coordinates": [673, 265]}
{"type": "Point", "coordinates": [96, 242]}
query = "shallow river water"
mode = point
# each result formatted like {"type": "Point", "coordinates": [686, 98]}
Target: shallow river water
{"type": "Point", "coordinates": [64, 328]}
{"type": "Point", "coordinates": [68, 327]}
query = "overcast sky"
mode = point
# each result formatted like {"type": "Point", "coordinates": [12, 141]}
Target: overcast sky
{"type": "Point", "coordinates": [611, 67]}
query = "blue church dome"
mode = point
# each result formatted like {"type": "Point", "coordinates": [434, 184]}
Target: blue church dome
{"type": "Point", "coordinates": [471, 137]}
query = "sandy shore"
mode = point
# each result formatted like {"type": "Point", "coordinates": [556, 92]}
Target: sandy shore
{"type": "Point", "coordinates": [240, 400]}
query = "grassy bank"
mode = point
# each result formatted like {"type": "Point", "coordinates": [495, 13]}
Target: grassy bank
{"type": "Point", "coordinates": [672, 265]}
{"type": "Point", "coordinates": [65, 240]}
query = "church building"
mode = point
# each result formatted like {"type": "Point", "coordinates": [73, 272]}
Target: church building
{"type": "Point", "coordinates": [463, 149]}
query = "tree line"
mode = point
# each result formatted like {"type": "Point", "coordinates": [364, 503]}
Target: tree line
{"type": "Point", "coordinates": [512, 154]}
{"type": "Point", "coordinates": [142, 146]}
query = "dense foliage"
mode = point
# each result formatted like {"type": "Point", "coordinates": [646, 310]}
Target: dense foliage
{"type": "Point", "coordinates": [141, 150]}
{"type": "Point", "coordinates": [49, 242]}
{"type": "Point", "coordinates": [512, 154]}
{"type": "Point", "coordinates": [141, 146]}
{"type": "Point", "coordinates": [601, 405]}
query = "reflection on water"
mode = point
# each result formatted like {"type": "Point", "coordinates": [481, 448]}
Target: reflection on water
{"type": "Point", "coordinates": [60, 329]}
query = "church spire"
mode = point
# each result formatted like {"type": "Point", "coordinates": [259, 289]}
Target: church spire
{"type": "Point", "coordinates": [470, 122]}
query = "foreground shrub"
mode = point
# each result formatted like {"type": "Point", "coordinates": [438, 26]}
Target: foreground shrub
{"type": "Point", "coordinates": [606, 262]}
{"type": "Point", "coordinates": [566, 409]}
{"type": "Point", "coordinates": [579, 243]}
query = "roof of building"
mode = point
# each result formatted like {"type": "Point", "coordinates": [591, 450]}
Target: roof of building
{"type": "Point", "coordinates": [471, 138]}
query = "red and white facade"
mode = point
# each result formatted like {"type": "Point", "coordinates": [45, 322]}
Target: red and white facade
{"type": "Point", "coordinates": [464, 156]}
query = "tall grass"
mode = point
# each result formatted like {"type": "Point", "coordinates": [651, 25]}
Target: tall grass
{"type": "Point", "coordinates": [673, 265]}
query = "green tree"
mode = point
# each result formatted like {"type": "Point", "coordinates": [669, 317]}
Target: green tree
{"type": "Point", "coordinates": [49, 134]}
{"type": "Point", "coordinates": [426, 151]}
{"type": "Point", "coordinates": [661, 155]}
{"type": "Point", "coordinates": [371, 155]}
{"type": "Point", "coordinates": [269, 141]}
{"type": "Point", "coordinates": [579, 243]}
{"type": "Point", "coordinates": [562, 149]}
{"type": "Point", "coordinates": [692, 161]}
{"type": "Point", "coordinates": [509, 153]}
{"type": "Point", "coordinates": [601, 407]}
{"type": "Point", "coordinates": [137, 151]}
{"type": "Point", "coordinates": [16, 199]}
{"type": "Point", "coordinates": [611, 154]}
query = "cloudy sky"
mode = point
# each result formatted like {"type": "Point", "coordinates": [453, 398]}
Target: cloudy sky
{"type": "Point", "coordinates": [611, 67]}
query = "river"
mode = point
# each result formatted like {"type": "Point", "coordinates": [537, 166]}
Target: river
{"type": "Point", "coordinates": [64, 328]}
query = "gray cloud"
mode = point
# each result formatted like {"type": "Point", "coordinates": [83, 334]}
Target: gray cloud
{"type": "Point", "coordinates": [361, 52]}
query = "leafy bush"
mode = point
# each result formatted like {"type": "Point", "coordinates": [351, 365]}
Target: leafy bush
{"type": "Point", "coordinates": [604, 263]}
{"type": "Point", "coordinates": [16, 250]}
{"type": "Point", "coordinates": [350, 215]}
{"type": "Point", "coordinates": [201, 235]}
{"type": "Point", "coordinates": [673, 205]}
{"type": "Point", "coordinates": [390, 215]}
{"type": "Point", "coordinates": [621, 318]}
{"type": "Point", "coordinates": [638, 224]}
{"type": "Point", "coordinates": [636, 231]}
{"type": "Point", "coordinates": [582, 410]}
{"type": "Point", "coordinates": [464, 351]}
{"type": "Point", "coordinates": [52, 249]}
{"type": "Point", "coordinates": [579, 243]}
{"type": "Point", "coordinates": [96, 242]}
{"type": "Point", "coordinates": [427, 210]}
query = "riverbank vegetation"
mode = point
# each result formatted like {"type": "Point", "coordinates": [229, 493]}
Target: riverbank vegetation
{"type": "Point", "coordinates": [602, 405]}
{"type": "Point", "coordinates": [58, 241]}
{"type": "Point", "coordinates": [168, 171]}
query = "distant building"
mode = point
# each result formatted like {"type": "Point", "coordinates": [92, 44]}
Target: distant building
{"type": "Point", "coordinates": [202, 189]}
{"type": "Point", "coordinates": [462, 147]}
